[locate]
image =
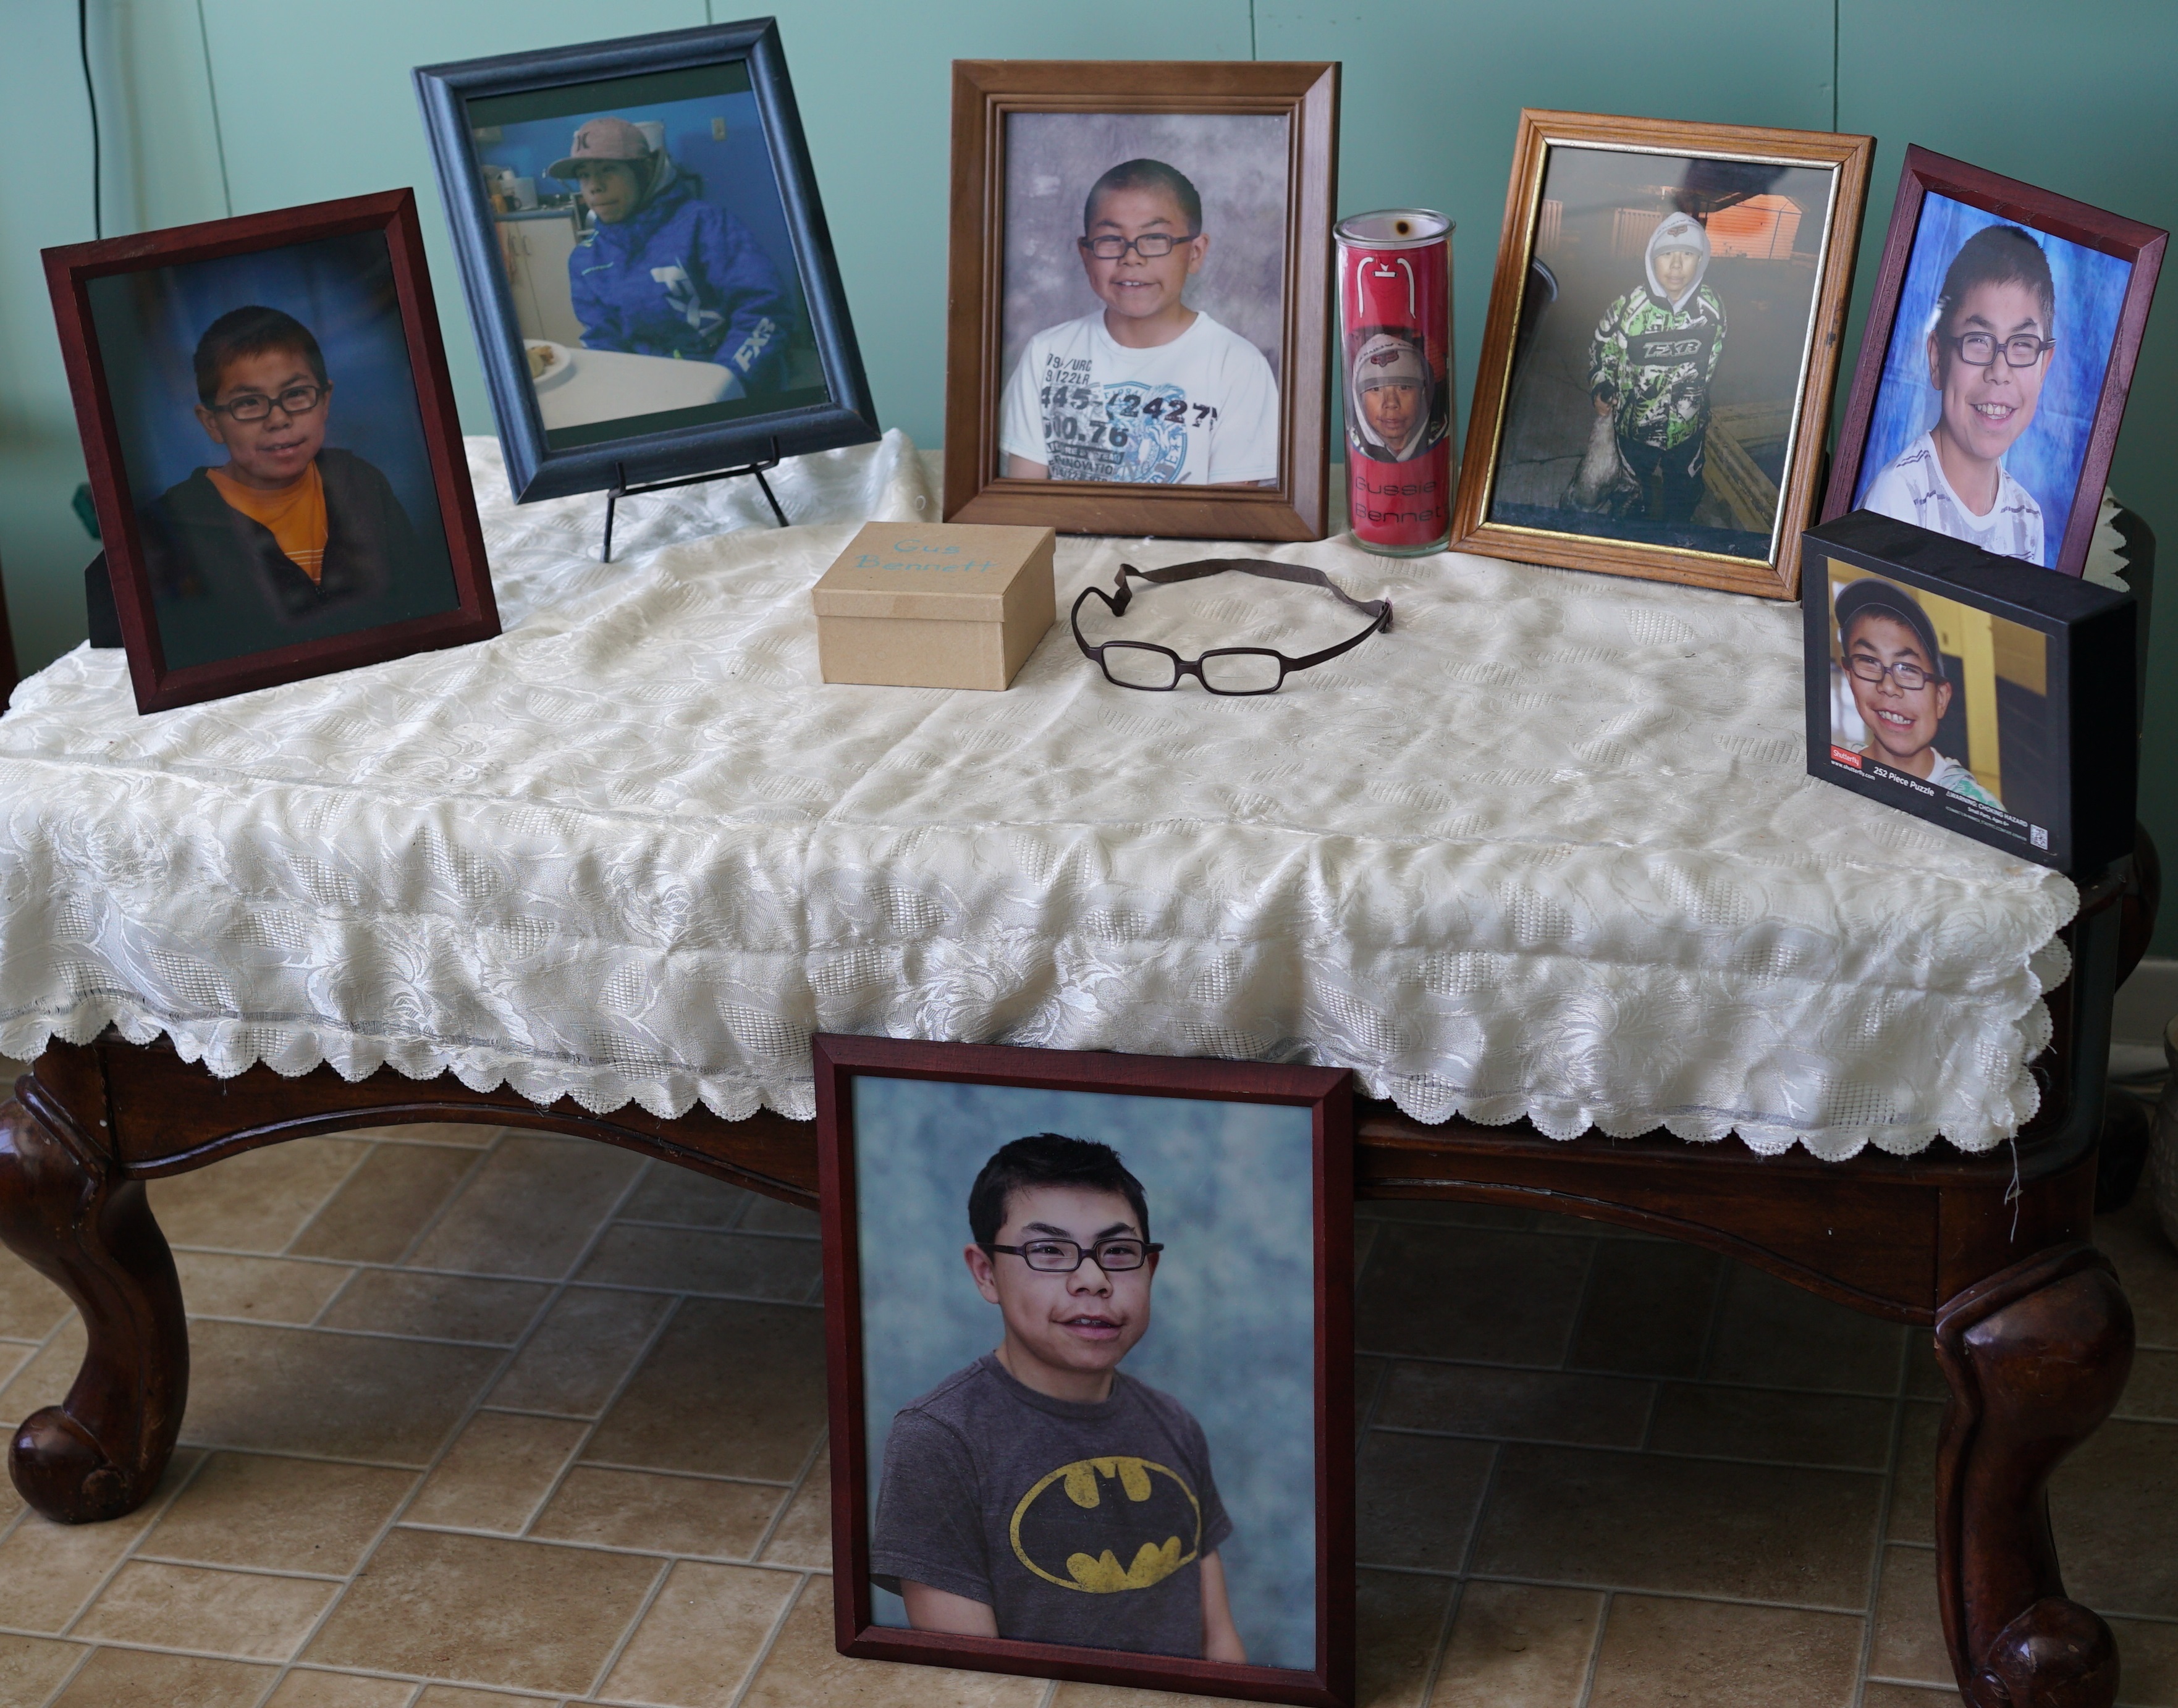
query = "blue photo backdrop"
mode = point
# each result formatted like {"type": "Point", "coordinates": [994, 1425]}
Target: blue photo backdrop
{"type": "Point", "coordinates": [2046, 460]}
{"type": "Point", "coordinates": [148, 324]}
{"type": "Point", "coordinates": [1232, 1332]}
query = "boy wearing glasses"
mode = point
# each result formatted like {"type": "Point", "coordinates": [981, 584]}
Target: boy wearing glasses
{"type": "Point", "coordinates": [1988, 354]}
{"type": "Point", "coordinates": [1041, 1494]}
{"type": "Point", "coordinates": [290, 539]}
{"type": "Point", "coordinates": [1896, 673]}
{"type": "Point", "coordinates": [1145, 388]}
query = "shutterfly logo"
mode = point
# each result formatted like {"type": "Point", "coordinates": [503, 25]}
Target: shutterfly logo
{"type": "Point", "coordinates": [1845, 756]}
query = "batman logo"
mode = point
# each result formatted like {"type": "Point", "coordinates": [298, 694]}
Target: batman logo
{"type": "Point", "coordinates": [1106, 1525]}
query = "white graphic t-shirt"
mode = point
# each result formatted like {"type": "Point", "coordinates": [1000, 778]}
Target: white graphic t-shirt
{"type": "Point", "coordinates": [1202, 410]}
{"type": "Point", "coordinates": [1913, 489]}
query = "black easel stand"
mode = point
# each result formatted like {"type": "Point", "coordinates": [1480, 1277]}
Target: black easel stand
{"type": "Point", "coordinates": [615, 493]}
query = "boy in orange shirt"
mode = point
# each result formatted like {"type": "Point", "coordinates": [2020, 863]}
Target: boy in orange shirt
{"type": "Point", "coordinates": [291, 539]}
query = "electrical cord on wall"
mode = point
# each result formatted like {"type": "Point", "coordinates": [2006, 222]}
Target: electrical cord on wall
{"type": "Point", "coordinates": [90, 95]}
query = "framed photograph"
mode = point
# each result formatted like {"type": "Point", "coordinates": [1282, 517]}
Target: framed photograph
{"type": "Point", "coordinates": [273, 451]}
{"type": "Point", "coordinates": [1140, 296]}
{"type": "Point", "coordinates": [1973, 690]}
{"type": "Point", "coordinates": [645, 257]}
{"type": "Point", "coordinates": [1031, 1472]}
{"type": "Point", "coordinates": [1993, 367]}
{"type": "Point", "coordinates": [1660, 349]}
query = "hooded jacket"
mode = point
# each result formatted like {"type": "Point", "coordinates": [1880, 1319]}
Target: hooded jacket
{"type": "Point", "coordinates": [1388, 357]}
{"type": "Point", "coordinates": [679, 277]}
{"type": "Point", "coordinates": [1652, 357]}
{"type": "Point", "coordinates": [223, 587]}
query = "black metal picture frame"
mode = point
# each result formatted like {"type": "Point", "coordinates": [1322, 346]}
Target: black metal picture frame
{"type": "Point", "coordinates": [654, 450]}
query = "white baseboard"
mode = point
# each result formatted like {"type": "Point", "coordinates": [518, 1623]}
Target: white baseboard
{"type": "Point", "coordinates": [2146, 1003]}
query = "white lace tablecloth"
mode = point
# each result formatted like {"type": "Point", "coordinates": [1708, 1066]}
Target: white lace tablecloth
{"type": "Point", "coordinates": [1545, 850]}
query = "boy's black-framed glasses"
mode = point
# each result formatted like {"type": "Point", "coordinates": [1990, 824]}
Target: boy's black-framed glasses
{"type": "Point", "coordinates": [255, 406]}
{"type": "Point", "coordinates": [1237, 670]}
{"type": "Point", "coordinates": [1057, 1256]}
{"type": "Point", "coordinates": [1151, 246]}
{"type": "Point", "coordinates": [1978, 349]}
{"type": "Point", "coordinates": [1905, 672]}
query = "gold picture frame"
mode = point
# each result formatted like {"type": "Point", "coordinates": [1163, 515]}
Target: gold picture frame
{"type": "Point", "coordinates": [1528, 391]}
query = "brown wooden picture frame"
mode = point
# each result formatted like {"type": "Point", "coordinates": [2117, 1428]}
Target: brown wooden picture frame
{"type": "Point", "coordinates": [1539, 132]}
{"type": "Point", "coordinates": [985, 92]}
{"type": "Point", "coordinates": [1327, 1093]}
{"type": "Point", "coordinates": [2039, 209]}
{"type": "Point", "coordinates": [69, 272]}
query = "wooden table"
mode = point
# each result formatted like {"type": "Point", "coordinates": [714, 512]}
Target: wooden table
{"type": "Point", "coordinates": [2032, 1331]}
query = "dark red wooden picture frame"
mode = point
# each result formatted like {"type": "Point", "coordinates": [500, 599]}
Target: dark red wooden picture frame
{"type": "Point", "coordinates": [68, 274]}
{"type": "Point", "coordinates": [1327, 1093]}
{"type": "Point", "coordinates": [2039, 210]}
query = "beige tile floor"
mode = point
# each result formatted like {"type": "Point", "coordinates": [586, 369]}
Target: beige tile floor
{"type": "Point", "coordinates": [484, 1418]}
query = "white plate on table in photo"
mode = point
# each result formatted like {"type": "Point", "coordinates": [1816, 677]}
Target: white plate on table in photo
{"type": "Point", "coordinates": [549, 362]}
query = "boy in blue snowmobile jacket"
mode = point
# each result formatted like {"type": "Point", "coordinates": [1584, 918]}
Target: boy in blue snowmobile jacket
{"type": "Point", "coordinates": [660, 273]}
{"type": "Point", "coordinates": [1649, 366]}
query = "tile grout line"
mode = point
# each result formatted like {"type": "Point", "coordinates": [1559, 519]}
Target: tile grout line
{"type": "Point", "coordinates": [574, 1454]}
{"type": "Point", "coordinates": [1878, 1561]}
{"type": "Point", "coordinates": [762, 1656]}
{"type": "Point", "coordinates": [1595, 1650]}
{"type": "Point", "coordinates": [1713, 1331]}
{"type": "Point", "coordinates": [1525, 1582]}
{"type": "Point", "coordinates": [1441, 1652]}
{"type": "Point", "coordinates": [1624, 1451]}
{"type": "Point", "coordinates": [793, 1493]}
{"type": "Point", "coordinates": [355, 1168]}
{"type": "Point", "coordinates": [666, 1570]}
{"type": "Point", "coordinates": [69, 1677]}
{"type": "Point", "coordinates": [128, 1553]}
{"type": "Point", "coordinates": [1580, 1309]}
{"type": "Point", "coordinates": [392, 1520]}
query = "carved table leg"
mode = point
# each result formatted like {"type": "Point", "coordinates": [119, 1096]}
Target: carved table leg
{"type": "Point", "coordinates": [2036, 1356]}
{"type": "Point", "coordinates": [65, 1210]}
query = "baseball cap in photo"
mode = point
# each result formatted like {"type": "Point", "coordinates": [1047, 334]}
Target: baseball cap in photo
{"type": "Point", "coordinates": [1871, 594]}
{"type": "Point", "coordinates": [599, 141]}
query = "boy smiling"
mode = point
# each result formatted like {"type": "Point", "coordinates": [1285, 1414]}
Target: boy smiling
{"type": "Point", "coordinates": [1989, 355]}
{"type": "Point", "coordinates": [1899, 687]}
{"type": "Point", "coordinates": [1145, 388]}
{"type": "Point", "coordinates": [1041, 1494]}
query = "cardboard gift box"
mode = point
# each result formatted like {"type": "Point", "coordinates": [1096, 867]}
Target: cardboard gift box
{"type": "Point", "coordinates": [936, 605]}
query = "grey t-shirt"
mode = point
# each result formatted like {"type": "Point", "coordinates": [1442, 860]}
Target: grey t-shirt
{"type": "Point", "coordinates": [1075, 1523]}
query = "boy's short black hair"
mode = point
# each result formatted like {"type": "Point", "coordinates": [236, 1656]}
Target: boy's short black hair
{"type": "Point", "coordinates": [252, 331]}
{"type": "Point", "coordinates": [1049, 1158]}
{"type": "Point", "coordinates": [1997, 255]}
{"type": "Point", "coordinates": [1147, 175]}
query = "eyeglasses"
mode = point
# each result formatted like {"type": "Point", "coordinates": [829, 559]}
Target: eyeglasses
{"type": "Point", "coordinates": [255, 406]}
{"type": "Point", "coordinates": [1057, 1256]}
{"type": "Point", "coordinates": [1907, 674]}
{"type": "Point", "coordinates": [1151, 246]}
{"type": "Point", "coordinates": [1226, 669]}
{"type": "Point", "coordinates": [2021, 350]}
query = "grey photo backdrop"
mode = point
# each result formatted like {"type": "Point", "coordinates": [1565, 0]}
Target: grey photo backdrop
{"type": "Point", "coordinates": [1232, 1329]}
{"type": "Point", "coordinates": [1237, 163]}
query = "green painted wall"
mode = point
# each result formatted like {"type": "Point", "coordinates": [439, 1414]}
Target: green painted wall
{"type": "Point", "coordinates": [220, 106]}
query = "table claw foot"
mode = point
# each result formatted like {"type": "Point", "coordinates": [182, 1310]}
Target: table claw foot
{"type": "Point", "coordinates": [2036, 1356]}
{"type": "Point", "coordinates": [66, 1211]}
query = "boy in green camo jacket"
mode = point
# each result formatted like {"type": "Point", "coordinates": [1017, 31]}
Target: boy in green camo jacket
{"type": "Point", "coordinates": [1649, 366]}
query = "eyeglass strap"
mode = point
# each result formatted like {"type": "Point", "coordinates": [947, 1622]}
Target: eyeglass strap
{"type": "Point", "coordinates": [1300, 574]}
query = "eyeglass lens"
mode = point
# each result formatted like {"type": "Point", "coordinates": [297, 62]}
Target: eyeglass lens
{"type": "Point", "coordinates": [1242, 671]}
{"type": "Point", "coordinates": [1978, 349]}
{"type": "Point", "coordinates": [1133, 664]}
{"type": "Point", "coordinates": [1909, 677]}
{"type": "Point", "coordinates": [1154, 246]}
{"type": "Point", "coordinates": [1063, 1256]}
{"type": "Point", "coordinates": [254, 405]}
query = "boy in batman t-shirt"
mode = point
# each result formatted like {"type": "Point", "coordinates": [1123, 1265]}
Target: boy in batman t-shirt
{"type": "Point", "coordinates": [1040, 1494]}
